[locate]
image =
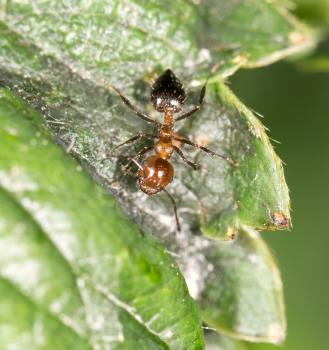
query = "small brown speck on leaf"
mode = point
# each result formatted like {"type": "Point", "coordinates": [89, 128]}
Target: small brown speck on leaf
{"type": "Point", "coordinates": [279, 219]}
{"type": "Point", "coordinates": [231, 233]}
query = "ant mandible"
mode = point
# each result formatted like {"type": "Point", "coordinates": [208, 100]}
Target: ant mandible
{"type": "Point", "coordinates": [156, 172]}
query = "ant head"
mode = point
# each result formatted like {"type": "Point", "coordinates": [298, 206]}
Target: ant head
{"type": "Point", "coordinates": [168, 93]}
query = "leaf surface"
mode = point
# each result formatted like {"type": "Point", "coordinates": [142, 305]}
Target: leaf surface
{"type": "Point", "coordinates": [56, 56]}
{"type": "Point", "coordinates": [243, 296]}
{"type": "Point", "coordinates": [135, 38]}
{"type": "Point", "coordinates": [219, 342]}
{"type": "Point", "coordinates": [73, 270]}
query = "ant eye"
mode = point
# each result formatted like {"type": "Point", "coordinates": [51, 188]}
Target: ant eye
{"type": "Point", "coordinates": [168, 93]}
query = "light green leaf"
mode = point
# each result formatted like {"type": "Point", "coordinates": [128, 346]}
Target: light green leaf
{"type": "Point", "coordinates": [215, 341]}
{"type": "Point", "coordinates": [122, 40]}
{"type": "Point", "coordinates": [74, 273]}
{"type": "Point", "coordinates": [242, 296]}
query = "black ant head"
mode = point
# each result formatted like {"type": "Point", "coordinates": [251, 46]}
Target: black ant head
{"type": "Point", "coordinates": [168, 93]}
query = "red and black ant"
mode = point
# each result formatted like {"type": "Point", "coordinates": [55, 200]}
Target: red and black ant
{"type": "Point", "coordinates": [156, 172]}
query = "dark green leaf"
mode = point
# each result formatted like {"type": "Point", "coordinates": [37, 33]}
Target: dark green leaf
{"type": "Point", "coordinates": [74, 272]}
{"type": "Point", "coordinates": [253, 193]}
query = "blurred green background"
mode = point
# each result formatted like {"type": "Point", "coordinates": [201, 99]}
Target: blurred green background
{"type": "Point", "coordinates": [295, 104]}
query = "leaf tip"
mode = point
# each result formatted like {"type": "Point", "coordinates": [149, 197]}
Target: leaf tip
{"type": "Point", "coordinates": [276, 333]}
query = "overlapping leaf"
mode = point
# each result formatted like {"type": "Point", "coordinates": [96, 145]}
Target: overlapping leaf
{"type": "Point", "coordinates": [217, 342]}
{"type": "Point", "coordinates": [73, 271]}
{"type": "Point", "coordinates": [242, 296]}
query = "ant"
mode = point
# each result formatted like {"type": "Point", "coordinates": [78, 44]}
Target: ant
{"type": "Point", "coordinates": [156, 172]}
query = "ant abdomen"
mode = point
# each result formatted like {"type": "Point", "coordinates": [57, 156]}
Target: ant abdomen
{"type": "Point", "coordinates": [156, 174]}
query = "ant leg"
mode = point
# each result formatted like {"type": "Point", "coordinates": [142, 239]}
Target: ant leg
{"type": "Point", "coordinates": [134, 139]}
{"type": "Point", "coordinates": [175, 207]}
{"type": "Point", "coordinates": [181, 154]}
{"type": "Point", "coordinates": [207, 150]}
{"type": "Point", "coordinates": [138, 155]}
{"type": "Point", "coordinates": [127, 102]}
{"type": "Point", "coordinates": [139, 165]}
{"type": "Point", "coordinates": [196, 108]}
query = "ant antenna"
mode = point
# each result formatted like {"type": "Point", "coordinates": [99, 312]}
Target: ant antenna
{"type": "Point", "coordinates": [202, 94]}
{"type": "Point", "coordinates": [127, 102]}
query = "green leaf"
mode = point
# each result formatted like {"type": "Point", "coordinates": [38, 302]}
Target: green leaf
{"type": "Point", "coordinates": [74, 273]}
{"type": "Point", "coordinates": [242, 294]}
{"type": "Point", "coordinates": [134, 38]}
{"type": "Point", "coordinates": [215, 341]}
{"type": "Point", "coordinates": [24, 325]}
{"type": "Point", "coordinates": [89, 122]}
{"type": "Point", "coordinates": [56, 56]}
{"type": "Point", "coordinates": [253, 193]}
